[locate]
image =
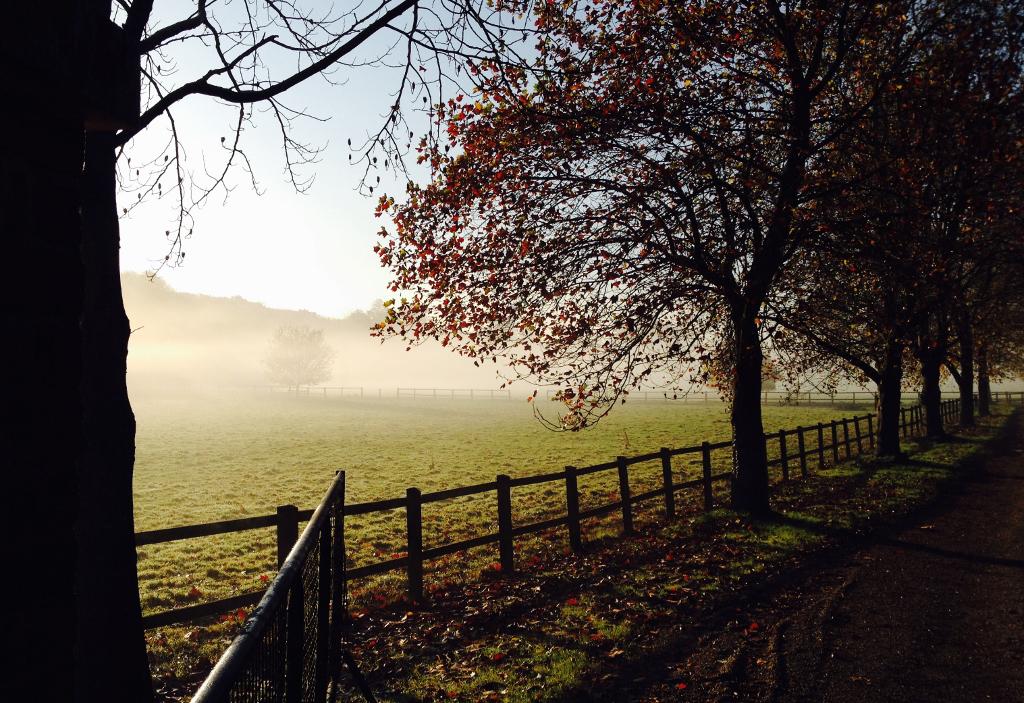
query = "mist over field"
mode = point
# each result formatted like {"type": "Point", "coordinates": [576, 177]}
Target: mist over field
{"type": "Point", "coordinates": [190, 342]}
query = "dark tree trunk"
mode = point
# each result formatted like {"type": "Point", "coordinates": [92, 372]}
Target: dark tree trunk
{"type": "Point", "coordinates": [889, 399]}
{"type": "Point", "coordinates": [931, 395]}
{"type": "Point", "coordinates": [111, 662]}
{"type": "Point", "coordinates": [750, 460]}
{"type": "Point", "coordinates": [965, 333]}
{"type": "Point", "coordinates": [41, 292]}
{"type": "Point", "coordinates": [984, 385]}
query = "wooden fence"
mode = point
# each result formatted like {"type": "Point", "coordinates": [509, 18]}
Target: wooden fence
{"type": "Point", "coordinates": [767, 397]}
{"type": "Point", "coordinates": [381, 393]}
{"type": "Point", "coordinates": [834, 441]}
{"type": "Point", "coordinates": [647, 396]}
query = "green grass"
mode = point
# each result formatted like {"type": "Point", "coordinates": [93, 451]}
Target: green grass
{"type": "Point", "coordinates": [201, 459]}
{"type": "Point", "coordinates": [564, 624]}
{"type": "Point", "coordinates": [623, 609]}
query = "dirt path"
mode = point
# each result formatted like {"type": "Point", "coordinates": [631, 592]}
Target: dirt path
{"type": "Point", "coordinates": [931, 612]}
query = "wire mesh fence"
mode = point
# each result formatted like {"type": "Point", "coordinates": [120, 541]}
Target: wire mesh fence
{"type": "Point", "coordinates": [290, 649]}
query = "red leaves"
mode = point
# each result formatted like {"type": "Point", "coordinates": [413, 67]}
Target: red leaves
{"type": "Point", "coordinates": [194, 593]}
{"type": "Point", "coordinates": [572, 601]}
{"type": "Point", "coordinates": [237, 616]}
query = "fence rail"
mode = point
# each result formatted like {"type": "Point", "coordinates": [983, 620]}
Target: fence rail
{"type": "Point", "coordinates": [830, 443]}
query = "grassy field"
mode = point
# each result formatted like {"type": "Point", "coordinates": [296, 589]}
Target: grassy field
{"type": "Point", "coordinates": [218, 457]}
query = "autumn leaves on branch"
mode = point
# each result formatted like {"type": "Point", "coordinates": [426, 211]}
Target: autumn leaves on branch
{"type": "Point", "coordinates": [669, 191]}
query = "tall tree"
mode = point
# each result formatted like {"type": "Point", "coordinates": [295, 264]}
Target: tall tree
{"type": "Point", "coordinates": [625, 207]}
{"type": "Point", "coordinates": [257, 51]}
{"type": "Point", "coordinates": [46, 108]}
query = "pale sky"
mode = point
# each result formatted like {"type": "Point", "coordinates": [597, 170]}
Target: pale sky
{"type": "Point", "coordinates": [283, 249]}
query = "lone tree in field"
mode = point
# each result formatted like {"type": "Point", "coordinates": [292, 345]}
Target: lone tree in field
{"type": "Point", "coordinates": [624, 208]}
{"type": "Point", "coordinates": [298, 356]}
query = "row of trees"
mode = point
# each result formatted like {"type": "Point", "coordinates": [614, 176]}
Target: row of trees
{"type": "Point", "coordinates": [685, 189]}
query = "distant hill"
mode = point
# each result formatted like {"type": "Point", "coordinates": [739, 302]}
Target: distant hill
{"type": "Point", "coordinates": [197, 341]}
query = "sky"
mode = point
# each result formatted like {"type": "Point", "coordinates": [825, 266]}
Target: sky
{"type": "Point", "coordinates": [309, 251]}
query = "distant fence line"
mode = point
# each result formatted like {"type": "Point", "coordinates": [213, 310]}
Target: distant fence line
{"type": "Point", "coordinates": [767, 397]}
{"type": "Point", "coordinates": [381, 393]}
{"type": "Point", "coordinates": [646, 396]}
{"type": "Point", "coordinates": [842, 437]}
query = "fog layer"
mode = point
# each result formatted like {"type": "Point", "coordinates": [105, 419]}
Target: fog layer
{"type": "Point", "coordinates": [184, 341]}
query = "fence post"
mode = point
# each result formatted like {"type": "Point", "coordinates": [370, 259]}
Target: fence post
{"type": "Point", "coordinates": [572, 508]}
{"type": "Point", "coordinates": [821, 446]}
{"type": "Point", "coordinates": [287, 531]}
{"type": "Point", "coordinates": [624, 495]}
{"type": "Point", "coordinates": [856, 429]}
{"type": "Point", "coordinates": [414, 532]}
{"type": "Point", "coordinates": [835, 444]}
{"type": "Point", "coordinates": [666, 475]}
{"type": "Point", "coordinates": [705, 465]}
{"type": "Point", "coordinates": [846, 437]}
{"type": "Point", "coordinates": [505, 548]}
{"type": "Point", "coordinates": [803, 452]}
{"type": "Point", "coordinates": [871, 431]}
{"type": "Point", "coordinates": [783, 459]}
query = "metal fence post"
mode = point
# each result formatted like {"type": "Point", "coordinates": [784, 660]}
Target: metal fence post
{"type": "Point", "coordinates": [666, 475]}
{"type": "Point", "coordinates": [505, 547]}
{"type": "Point", "coordinates": [287, 531]}
{"type": "Point", "coordinates": [572, 507]}
{"type": "Point", "coordinates": [414, 532]}
{"type": "Point", "coordinates": [624, 495]}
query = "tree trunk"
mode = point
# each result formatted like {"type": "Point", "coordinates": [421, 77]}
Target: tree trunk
{"type": "Point", "coordinates": [965, 333]}
{"type": "Point", "coordinates": [931, 395]}
{"type": "Point", "coordinates": [750, 459]}
{"type": "Point", "coordinates": [110, 661]}
{"type": "Point", "coordinates": [984, 385]}
{"type": "Point", "coordinates": [889, 399]}
{"type": "Point", "coordinates": [41, 291]}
